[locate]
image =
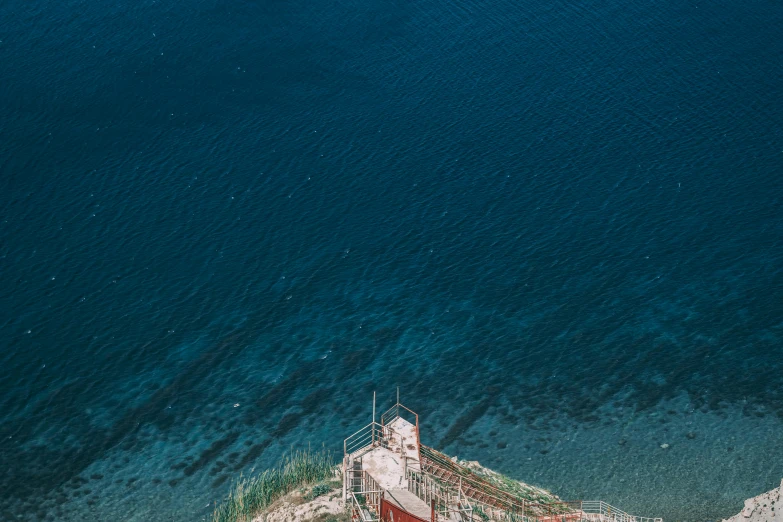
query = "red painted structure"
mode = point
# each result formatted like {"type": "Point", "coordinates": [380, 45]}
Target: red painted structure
{"type": "Point", "coordinates": [392, 513]}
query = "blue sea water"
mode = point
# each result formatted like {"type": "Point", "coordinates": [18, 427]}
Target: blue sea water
{"type": "Point", "coordinates": [556, 225]}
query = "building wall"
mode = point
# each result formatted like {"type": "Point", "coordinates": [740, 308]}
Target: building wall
{"type": "Point", "coordinates": [392, 513]}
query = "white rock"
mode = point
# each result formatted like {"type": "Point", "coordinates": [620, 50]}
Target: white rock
{"type": "Point", "coordinates": [767, 507]}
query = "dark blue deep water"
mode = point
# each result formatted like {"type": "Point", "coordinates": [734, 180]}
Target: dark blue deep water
{"type": "Point", "coordinates": [556, 224]}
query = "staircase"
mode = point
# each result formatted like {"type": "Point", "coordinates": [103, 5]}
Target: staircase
{"type": "Point", "coordinates": [388, 471]}
{"type": "Point", "coordinates": [376, 459]}
{"type": "Point", "coordinates": [494, 502]}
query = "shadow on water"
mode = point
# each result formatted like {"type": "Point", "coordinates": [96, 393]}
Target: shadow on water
{"type": "Point", "coordinates": [32, 471]}
{"type": "Point", "coordinates": [631, 370]}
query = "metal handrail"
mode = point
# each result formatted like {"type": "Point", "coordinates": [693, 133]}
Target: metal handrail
{"type": "Point", "coordinates": [365, 437]}
{"type": "Point", "coordinates": [493, 496]}
{"type": "Point", "coordinates": [499, 504]}
{"type": "Point", "coordinates": [390, 414]}
{"type": "Point", "coordinates": [393, 413]}
{"type": "Point", "coordinates": [489, 499]}
{"type": "Point", "coordinates": [358, 511]}
{"type": "Point", "coordinates": [370, 490]}
{"type": "Point", "coordinates": [608, 512]}
{"type": "Point", "coordinates": [443, 496]}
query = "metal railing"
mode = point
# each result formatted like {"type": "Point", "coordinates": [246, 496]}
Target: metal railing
{"type": "Point", "coordinates": [449, 503]}
{"type": "Point", "coordinates": [600, 511]}
{"type": "Point", "coordinates": [457, 493]}
{"type": "Point", "coordinates": [354, 447]}
{"type": "Point", "coordinates": [366, 437]}
{"type": "Point", "coordinates": [364, 497]}
{"type": "Point", "coordinates": [375, 434]}
{"type": "Point", "coordinates": [400, 411]}
{"type": "Point", "coordinates": [497, 504]}
{"type": "Point", "coordinates": [488, 498]}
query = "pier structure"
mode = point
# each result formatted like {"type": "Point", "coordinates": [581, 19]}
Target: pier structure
{"type": "Point", "coordinates": [389, 476]}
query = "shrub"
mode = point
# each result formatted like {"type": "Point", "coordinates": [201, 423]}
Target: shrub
{"type": "Point", "coordinates": [249, 496]}
{"type": "Point", "coordinates": [319, 489]}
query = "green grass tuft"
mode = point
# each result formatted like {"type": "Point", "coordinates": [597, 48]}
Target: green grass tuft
{"type": "Point", "coordinates": [318, 490]}
{"type": "Point", "coordinates": [250, 496]}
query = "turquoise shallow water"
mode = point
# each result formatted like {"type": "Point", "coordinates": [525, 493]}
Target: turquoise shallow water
{"type": "Point", "coordinates": [556, 226]}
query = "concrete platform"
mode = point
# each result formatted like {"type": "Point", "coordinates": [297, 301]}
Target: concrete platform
{"type": "Point", "coordinates": [409, 502]}
{"type": "Point", "coordinates": [386, 465]}
{"type": "Point", "coordinates": [403, 441]}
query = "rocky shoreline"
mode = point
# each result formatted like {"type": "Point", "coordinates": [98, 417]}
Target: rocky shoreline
{"type": "Point", "coordinates": [322, 502]}
{"type": "Point", "coordinates": [767, 507]}
{"type": "Point", "coordinates": [305, 506]}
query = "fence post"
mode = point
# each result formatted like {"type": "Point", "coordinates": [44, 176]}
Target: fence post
{"type": "Point", "coordinates": [372, 426]}
{"type": "Point", "coordinates": [345, 479]}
